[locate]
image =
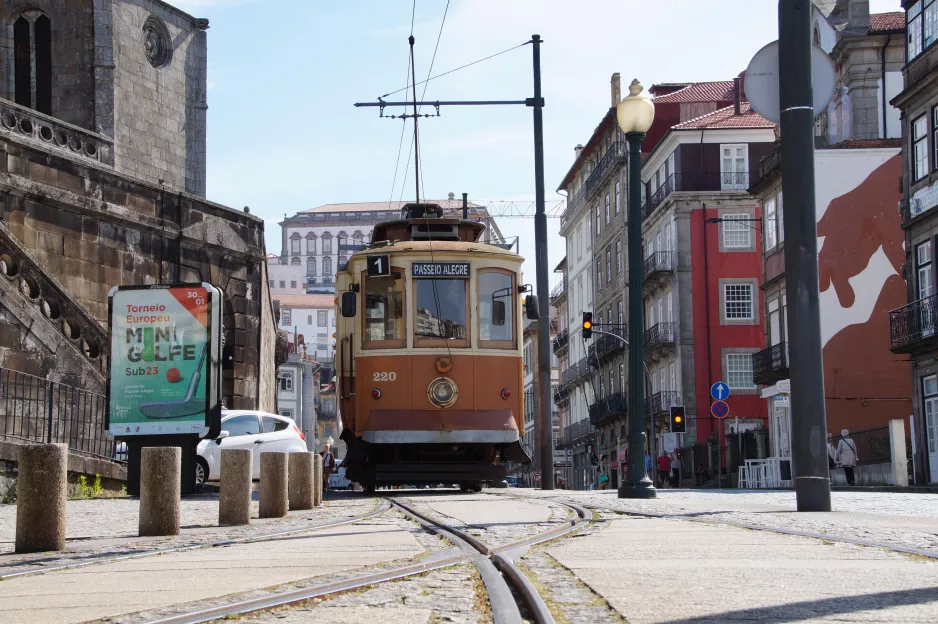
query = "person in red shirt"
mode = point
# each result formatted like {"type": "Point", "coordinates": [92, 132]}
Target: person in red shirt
{"type": "Point", "coordinates": [664, 468]}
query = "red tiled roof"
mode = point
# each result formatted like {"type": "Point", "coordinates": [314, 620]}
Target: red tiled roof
{"type": "Point", "coordinates": [727, 118]}
{"type": "Point", "coordinates": [722, 91]}
{"type": "Point", "coordinates": [886, 22]}
{"type": "Point", "coordinates": [866, 144]}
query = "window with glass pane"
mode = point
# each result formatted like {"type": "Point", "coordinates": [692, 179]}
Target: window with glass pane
{"type": "Point", "coordinates": [618, 257]}
{"type": "Point", "coordinates": [619, 312]}
{"type": "Point", "coordinates": [598, 224]}
{"type": "Point", "coordinates": [608, 218]}
{"type": "Point", "coordinates": [934, 131]}
{"type": "Point", "coordinates": [327, 243]}
{"type": "Point", "coordinates": [295, 244]}
{"type": "Point", "coordinates": [739, 371]}
{"type": "Point", "coordinates": [617, 198]}
{"type": "Point", "coordinates": [285, 315]}
{"type": "Point", "coordinates": [926, 278]}
{"type": "Point", "coordinates": [311, 267]}
{"type": "Point", "coordinates": [737, 301]}
{"type": "Point", "coordinates": [612, 381]}
{"type": "Point", "coordinates": [769, 209]}
{"type": "Point", "coordinates": [441, 310]}
{"type": "Point", "coordinates": [608, 266]}
{"type": "Point", "coordinates": [310, 244]}
{"type": "Point", "coordinates": [781, 219]}
{"type": "Point", "coordinates": [496, 287]}
{"type": "Point", "coordinates": [384, 311]}
{"type": "Point", "coordinates": [599, 275]}
{"type": "Point", "coordinates": [322, 317]}
{"type": "Point", "coordinates": [920, 146]}
{"type": "Point", "coordinates": [286, 381]}
{"type": "Point", "coordinates": [914, 30]}
{"type": "Point", "coordinates": [736, 231]}
{"type": "Point", "coordinates": [327, 267]}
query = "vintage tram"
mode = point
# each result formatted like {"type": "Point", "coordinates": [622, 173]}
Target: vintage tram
{"type": "Point", "coordinates": [429, 360]}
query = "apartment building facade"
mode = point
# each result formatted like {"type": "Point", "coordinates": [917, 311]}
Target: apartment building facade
{"type": "Point", "coordinates": [912, 327]}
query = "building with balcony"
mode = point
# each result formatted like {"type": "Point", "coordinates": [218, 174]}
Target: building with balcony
{"type": "Point", "coordinates": [311, 317]}
{"type": "Point", "coordinates": [318, 240]}
{"type": "Point", "coordinates": [701, 273]}
{"type": "Point", "coordinates": [912, 327]}
{"type": "Point", "coordinates": [531, 399]}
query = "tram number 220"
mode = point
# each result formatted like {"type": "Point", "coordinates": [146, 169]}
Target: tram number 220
{"type": "Point", "coordinates": [384, 376]}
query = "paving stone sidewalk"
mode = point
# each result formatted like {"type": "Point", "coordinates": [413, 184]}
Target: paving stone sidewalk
{"type": "Point", "coordinates": [108, 528]}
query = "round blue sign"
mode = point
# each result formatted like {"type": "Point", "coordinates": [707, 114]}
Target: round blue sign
{"type": "Point", "coordinates": [720, 391]}
{"type": "Point", "coordinates": [720, 409]}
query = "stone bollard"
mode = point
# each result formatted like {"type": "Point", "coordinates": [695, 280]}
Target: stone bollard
{"type": "Point", "coordinates": [160, 485]}
{"type": "Point", "coordinates": [41, 493]}
{"type": "Point", "coordinates": [899, 464]}
{"type": "Point", "coordinates": [317, 480]}
{"type": "Point", "coordinates": [234, 501]}
{"type": "Point", "coordinates": [274, 485]}
{"type": "Point", "coordinates": [302, 475]}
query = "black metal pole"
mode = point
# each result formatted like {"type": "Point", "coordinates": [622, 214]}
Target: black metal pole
{"type": "Point", "coordinates": [545, 436]}
{"type": "Point", "coordinates": [416, 143]}
{"type": "Point", "coordinates": [637, 484]}
{"type": "Point", "coordinates": [808, 418]}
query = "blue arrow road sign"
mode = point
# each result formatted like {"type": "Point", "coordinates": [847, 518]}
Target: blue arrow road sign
{"type": "Point", "coordinates": [719, 391]}
{"type": "Point", "coordinates": [720, 409]}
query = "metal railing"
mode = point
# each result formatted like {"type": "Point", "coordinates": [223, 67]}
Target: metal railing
{"type": "Point", "coordinates": [770, 365]}
{"type": "Point", "coordinates": [577, 432]}
{"type": "Point", "coordinates": [616, 153]}
{"type": "Point", "coordinates": [658, 262]}
{"type": "Point", "coordinates": [608, 408]}
{"type": "Point", "coordinates": [34, 409]}
{"type": "Point", "coordinates": [575, 373]}
{"type": "Point", "coordinates": [606, 345]}
{"type": "Point", "coordinates": [561, 340]}
{"type": "Point", "coordinates": [768, 165]}
{"type": "Point", "coordinates": [872, 445]}
{"type": "Point", "coordinates": [661, 402]}
{"type": "Point", "coordinates": [695, 182]}
{"type": "Point", "coordinates": [561, 394]}
{"type": "Point", "coordinates": [559, 291]}
{"type": "Point", "coordinates": [660, 335]}
{"type": "Point", "coordinates": [912, 323]}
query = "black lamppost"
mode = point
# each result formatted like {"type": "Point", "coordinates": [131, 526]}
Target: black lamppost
{"type": "Point", "coordinates": [635, 114]}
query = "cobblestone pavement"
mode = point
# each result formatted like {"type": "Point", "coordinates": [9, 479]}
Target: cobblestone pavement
{"type": "Point", "coordinates": [493, 519]}
{"type": "Point", "coordinates": [568, 598]}
{"type": "Point", "coordinates": [411, 610]}
{"type": "Point", "coordinates": [108, 528]}
{"type": "Point", "coordinates": [894, 519]}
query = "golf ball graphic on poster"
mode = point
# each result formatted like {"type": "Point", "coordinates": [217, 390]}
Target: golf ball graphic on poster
{"type": "Point", "coordinates": [159, 360]}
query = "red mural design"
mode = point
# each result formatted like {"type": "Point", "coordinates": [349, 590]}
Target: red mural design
{"type": "Point", "coordinates": [864, 382]}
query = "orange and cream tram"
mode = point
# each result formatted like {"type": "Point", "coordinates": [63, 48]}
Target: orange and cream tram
{"type": "Point", "coordinates": [429, 354]}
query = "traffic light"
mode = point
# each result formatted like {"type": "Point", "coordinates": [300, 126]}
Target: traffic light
{"type": "Point", "coordinates": [587, 325]}
{"type": "Point", "coordinates": [678, 422]}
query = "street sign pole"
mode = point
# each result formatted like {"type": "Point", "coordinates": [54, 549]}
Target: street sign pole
{"type": "Point", "coordinates": [720, 392]}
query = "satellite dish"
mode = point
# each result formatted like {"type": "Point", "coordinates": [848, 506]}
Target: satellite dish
{"type": "Point", "coordinates": [762, 81]}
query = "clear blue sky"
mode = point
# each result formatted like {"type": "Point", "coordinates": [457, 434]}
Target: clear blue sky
{"type": "Point", "coordinates": [283, 135]}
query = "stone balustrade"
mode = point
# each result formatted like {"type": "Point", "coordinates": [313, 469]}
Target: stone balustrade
{"type": "Point", "coordinates": [51, 133]}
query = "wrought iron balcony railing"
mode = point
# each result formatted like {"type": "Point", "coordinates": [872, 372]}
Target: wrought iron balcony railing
{"type": "Point", "coordinates": [768, 165]}
{"type": "Point", "coordinates": [575, 373]}
{"type": "Point", "coordinates": [561, 341]}
{"type": "Point", "coordinates": [578, 432]}
{"type": "Point", "coordinates": [658, 262]}
{"type": "Point", "coordinates": [561, 394]}
{"type": "Point", "coordinates": [695, 183]}
{"type": "Point", "coordinates": [661, 402]}
{"type": "Point", "coordinates": [662, 334]}
{"type": "Point", "coordinates": [770, 365]}
{"type": "Point", "coordinates": [912, 327]}
{"type": "Point", "coordinates": [559, 292]}
{"type": "Point", "coordinates": [608, 408]}
{"type": "Point", "coordinates": [605, 345]}
{"type": "Point", "coordinates": [616, 153]}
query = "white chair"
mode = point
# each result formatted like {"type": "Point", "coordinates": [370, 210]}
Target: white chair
{"type": "Point", "coordinates": [743, 477]}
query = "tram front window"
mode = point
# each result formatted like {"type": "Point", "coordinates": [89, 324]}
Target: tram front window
{"type": "Point", "coordinates": [496, 328]}
{"type": "Point", "coordinates": [384, 312]}
{"type": "Point", "coordinates": [441, 312]}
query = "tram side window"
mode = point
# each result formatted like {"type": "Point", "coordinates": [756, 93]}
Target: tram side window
{"type": "Point", "coordinates": [496, 290]}
{"type": "Point", "coordinates": [441, 313]}
{"type": "Point", "coordinates": [384, 311]}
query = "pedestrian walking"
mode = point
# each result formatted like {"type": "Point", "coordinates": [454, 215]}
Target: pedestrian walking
{"type": "Point", "coordinates": [676, 470]}
{"type": "Point", "coordinates": [328, 466]}
{"type": "Point", "coordinates": [846, 455]}
{"type": "Point", "coordinates": [701, 474]}
{"type": "Point", "coordinates": [664, 468]}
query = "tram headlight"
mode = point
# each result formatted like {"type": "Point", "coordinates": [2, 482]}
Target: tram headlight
{"type": "Point", "coordinates": [442, 392]}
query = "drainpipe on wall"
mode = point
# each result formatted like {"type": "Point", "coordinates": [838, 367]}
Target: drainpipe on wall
{"type": "Point", "coordinates": [882, 55]}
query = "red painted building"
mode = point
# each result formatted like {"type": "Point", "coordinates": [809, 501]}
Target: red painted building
{"type": "Point", "coordinates": [703, 267]}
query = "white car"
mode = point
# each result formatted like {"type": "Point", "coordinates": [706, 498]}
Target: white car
{"type": "Point", "coordinates": [252, 430]}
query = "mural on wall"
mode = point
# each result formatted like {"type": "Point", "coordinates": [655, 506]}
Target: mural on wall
{"type": "Point", "coordinates": [860, 269]}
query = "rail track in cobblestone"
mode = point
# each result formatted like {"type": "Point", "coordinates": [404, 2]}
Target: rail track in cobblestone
{"type": "Point", "coordinates": [510, 593]}
{"type": "Point", "coordinates": [91, 560]}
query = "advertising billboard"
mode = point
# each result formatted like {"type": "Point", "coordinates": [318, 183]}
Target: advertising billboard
{"type": "Point", "coordinates": [165, 360]}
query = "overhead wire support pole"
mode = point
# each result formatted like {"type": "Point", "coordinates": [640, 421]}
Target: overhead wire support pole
{"type": "Point", "coordinates": [416, 117]}
{"type": "Point", "coordinates": [545, 453]}
{"type": "Point", "coordinates": [808, 418]}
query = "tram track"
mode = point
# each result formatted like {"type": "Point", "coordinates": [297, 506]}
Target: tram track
{"type": "Point", "coordinates": [505, 584]}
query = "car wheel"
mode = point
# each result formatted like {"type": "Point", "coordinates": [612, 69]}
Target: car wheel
{"type": "Point", "coordinates": [201, 471]}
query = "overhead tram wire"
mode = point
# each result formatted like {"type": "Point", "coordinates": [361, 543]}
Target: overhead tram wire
{"type": "Point", "coordinates": [397, 162]}
{"type": "Point", "coordinates": [423, 96]}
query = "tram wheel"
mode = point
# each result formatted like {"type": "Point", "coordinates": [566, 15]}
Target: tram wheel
{"type": "Point", "coordinates": [476, 487]}
{"type": "Point", "coordinates": [370, 489]}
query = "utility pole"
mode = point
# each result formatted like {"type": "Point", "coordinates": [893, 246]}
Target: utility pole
{"type": "Point", "coordinates": [545, 400]}
{"type": "Point", "coordinates": [416, 119]}
{"type": "Point", "coordinates": [808, 417]}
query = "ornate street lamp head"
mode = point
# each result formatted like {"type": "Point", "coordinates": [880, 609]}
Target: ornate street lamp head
{"type": "Point", "coordinates": [635, 113]}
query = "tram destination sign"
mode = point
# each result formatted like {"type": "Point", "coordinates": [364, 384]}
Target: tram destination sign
{"type": "Point", "coordinates": [458, 270]}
